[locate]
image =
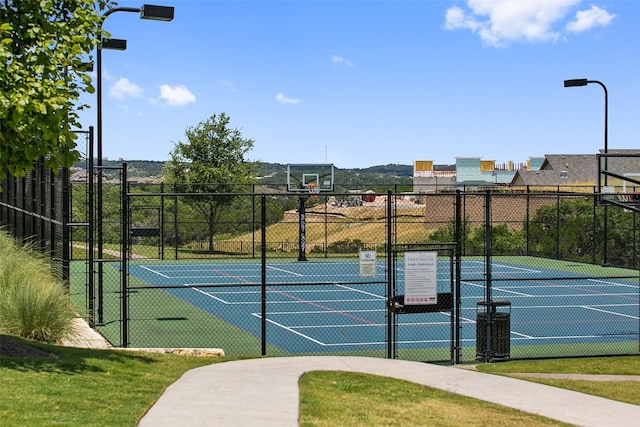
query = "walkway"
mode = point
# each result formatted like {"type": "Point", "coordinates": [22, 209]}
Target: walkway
{"type": "Point", "coordinates": [264, 392]}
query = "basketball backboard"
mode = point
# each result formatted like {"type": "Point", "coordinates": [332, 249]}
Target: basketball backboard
{"type": "Point", "coordinates": [310, 178]}
{"type": "Point", "coordinates": [619, 178]}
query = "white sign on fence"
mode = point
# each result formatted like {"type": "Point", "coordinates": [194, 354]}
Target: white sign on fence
{"type": "Point", "coordinates": [367, 263]}
{"type": "Point", "coordinates": [420, 278]}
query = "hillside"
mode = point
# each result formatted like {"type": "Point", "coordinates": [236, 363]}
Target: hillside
{"type": "Point", "coordinates": [377, 178]}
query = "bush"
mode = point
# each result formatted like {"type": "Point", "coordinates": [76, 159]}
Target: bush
{"type": "Point", "coordinates": [33, 304]}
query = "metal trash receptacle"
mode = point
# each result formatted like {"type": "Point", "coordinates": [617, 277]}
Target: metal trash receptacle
{"type": "Point", "coordinates": [493, 319]}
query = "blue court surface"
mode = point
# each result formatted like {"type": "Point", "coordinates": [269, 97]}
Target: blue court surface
{"type": "Point", "coordinates": [328, 306]}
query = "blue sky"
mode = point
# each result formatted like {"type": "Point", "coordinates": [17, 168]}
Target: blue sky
{"type": "Point", "coordinates": [364, 83]}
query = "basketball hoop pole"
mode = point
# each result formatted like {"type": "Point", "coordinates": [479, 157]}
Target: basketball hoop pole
{"type": "Point", "coordinates": [302, 228]}
{"type": "Point", "coordinates": [308, 181]}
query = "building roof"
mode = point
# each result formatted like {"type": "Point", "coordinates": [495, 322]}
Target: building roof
{"type": "Point", "coordinates": [559, 169]}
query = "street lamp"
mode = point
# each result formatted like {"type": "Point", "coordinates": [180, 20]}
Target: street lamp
{"type": "Point", "coordinates": [151, 12]}
{"type": "Point", "coordinates": [584, 82]}
{"type": "Point", "coordinates": [147, 11]}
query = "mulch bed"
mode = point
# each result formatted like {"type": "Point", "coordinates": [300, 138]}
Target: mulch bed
{"type": "Point", "coordinates": [14, 348]}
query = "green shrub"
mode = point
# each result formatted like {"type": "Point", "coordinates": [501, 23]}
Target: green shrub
{"type": "Point", "coordinates": [33, 304]}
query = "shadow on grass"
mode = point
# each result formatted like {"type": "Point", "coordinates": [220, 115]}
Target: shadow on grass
{"type": "Point", "coordinates": [31, 356]}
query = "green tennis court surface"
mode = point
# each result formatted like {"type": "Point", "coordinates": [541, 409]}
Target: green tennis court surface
{"type": "Point", "coordinates": [315, 307]}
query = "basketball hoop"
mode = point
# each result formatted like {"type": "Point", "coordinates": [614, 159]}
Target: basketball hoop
{"type": "Point", "coordinates": [314, 190]}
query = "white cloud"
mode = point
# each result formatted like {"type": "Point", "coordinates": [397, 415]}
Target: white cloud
{"type": "Point", "coordinates": [123, 88]}
{"type": "Point", "coordinates": [499, 22]}
{"type": "Point", "coordinates": [286, 100]}
{"type": "Point", "coordinates": [588, 19]}
{"type": "Point", "coordinates": [176, 96]}
{"type": "Point", "coordinates": [340, 60]}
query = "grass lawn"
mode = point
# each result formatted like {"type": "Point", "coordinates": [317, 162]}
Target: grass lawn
{"type": "Point", "coordinates": [83, 387]}
{"type": "Point", "coordinates": [115, 388]}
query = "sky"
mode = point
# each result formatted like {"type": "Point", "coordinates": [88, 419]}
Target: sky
{"type": "Point", "coordinates": [359, 83]}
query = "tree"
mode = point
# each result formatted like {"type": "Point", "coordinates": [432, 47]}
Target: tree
{"type": "Point", "coordinates": [43, 46]}
{"type": "Point", "coordinates": [212, 164]}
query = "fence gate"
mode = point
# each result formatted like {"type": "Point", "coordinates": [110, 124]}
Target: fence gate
{"type": "Point", "coordinates": [423, 300]}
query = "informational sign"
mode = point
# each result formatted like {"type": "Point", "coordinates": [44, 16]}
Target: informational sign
{"type": "Point", "coordinates": [420, 278]}
{"type": "Point", "coordinates": [367, 263]}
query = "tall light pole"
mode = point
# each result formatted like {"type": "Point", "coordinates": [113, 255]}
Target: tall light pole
{"type": "Point", "coordinates": [151, 12]}
{"type": "Point", "coordinates": [584, 82]}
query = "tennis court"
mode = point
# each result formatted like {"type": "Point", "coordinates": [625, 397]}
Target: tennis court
{"type": "Point", "coordinates": [315, 307]}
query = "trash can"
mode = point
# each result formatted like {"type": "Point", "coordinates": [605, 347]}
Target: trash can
{"type": "Point", "coordinates": [493, 319]}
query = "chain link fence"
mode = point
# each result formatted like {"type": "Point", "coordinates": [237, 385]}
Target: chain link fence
{"type": "Point", "coordinates": [34, 208]}
{"type": "Point", "coordinates": [520, 274]}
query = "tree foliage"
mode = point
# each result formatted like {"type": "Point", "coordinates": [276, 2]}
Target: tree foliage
{"type": "Point", "coordinates": [211, 165]}
{"type": "Point", "coordinates": [44, 46]}
{"type": "Point", "coordinates": [572, 230]}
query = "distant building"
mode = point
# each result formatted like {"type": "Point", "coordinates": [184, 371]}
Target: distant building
{"type": "Point", "coordinates": [575, 169]}
{"type": "Point", "coordinates": [549, 170]}
{"type": "Point", "coordinates": [467, 172]}
{"type": "Point", "coordinates": [473, 171]}
{"type": "Point", "coordinates": [559, 169]}
{"type": "Point", "coordinates": [429, 178]}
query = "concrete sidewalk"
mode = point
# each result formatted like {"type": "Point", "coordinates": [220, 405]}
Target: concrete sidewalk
{"type": "Point", "coordinates": [264, 392]}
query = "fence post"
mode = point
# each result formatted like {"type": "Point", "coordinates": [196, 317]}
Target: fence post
{"type": "Point", "coordinates": [124, 253]}
{"type": "Point", "coordinates": [594, 240]}
{"type": "Point", "coordinates": [253, 220]}
{"type": "Point", "coordinates": [558, 225]}
{"type": "Point", "coordinates": [527, 221]}
{"type": "Point", "coordinates": [263, 272]}
{"type": "Point", "coordinates": [91, 233]}
{"type": "Point", "coordinates": [66, 241]}
{"type": "Point", "coordinates": [175, 220]}
{"type": "Point", "coordinates": [52, 215]}
{"type": "Point", "coordinates": [458, 271]}
{"type": "Point", "coordinates": [487, 253]}
{"type": "Point", "coordinates": [162, 221]}
{"type": "Point", "coordinates": [390, 276]}
{"type": "Point", "coordinates": [43, 205]}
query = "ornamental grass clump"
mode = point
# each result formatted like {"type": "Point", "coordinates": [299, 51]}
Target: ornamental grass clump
{"type": "Point", "coordinates": [33, 304]}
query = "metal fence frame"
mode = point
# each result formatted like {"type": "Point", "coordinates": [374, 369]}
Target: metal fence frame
{"type": "Point", "coordinates": [36, 209]}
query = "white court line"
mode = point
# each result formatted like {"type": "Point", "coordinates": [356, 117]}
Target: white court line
{"type": "Point", "coordinates": [210, 296]}
{"type": "Point", "coordinates": [528, 270]}
{"type": "Point", "coordinates": [555, 307]}
{"type": "Point", "coordinates": [368, 325]}
{"type": "Point", "coordinates": [349, 344]}
{"type": "Point", "coordinates": [271, 303]}
{"type": "Point", "coordinates": [497, 289]}
{"type": "Point", "coordinates": [293, 273]}
{"type": "Point", "coordinates": [359, 291]}
{"type": "Point", "coordinates": [555, 285]}
{"type": "Point", "coordinates": [295, 302]}
{"type": "Point", "coordinates": [609, 312]}
{"type": "Point", "coordinates": [295, 313]}
{"type": "Point", "coordinates": [296, 292]}
{"type": "Point", "coordinates": [155, 272]}
{"type": "Point", "coordinates": [613, 283]}
{"type": "Point", "coordinates": [290, 330]}
{"type": "Point", "coordinates": [521, 335]}
{"type": "Point", "coordinates": [561, 296]}
{"type": "Point", "coordinates": [223, 285]}
{"type": "Point", "coordinates": [598, 295]}
{"type": "Point", "coordinates": [566, 337]}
